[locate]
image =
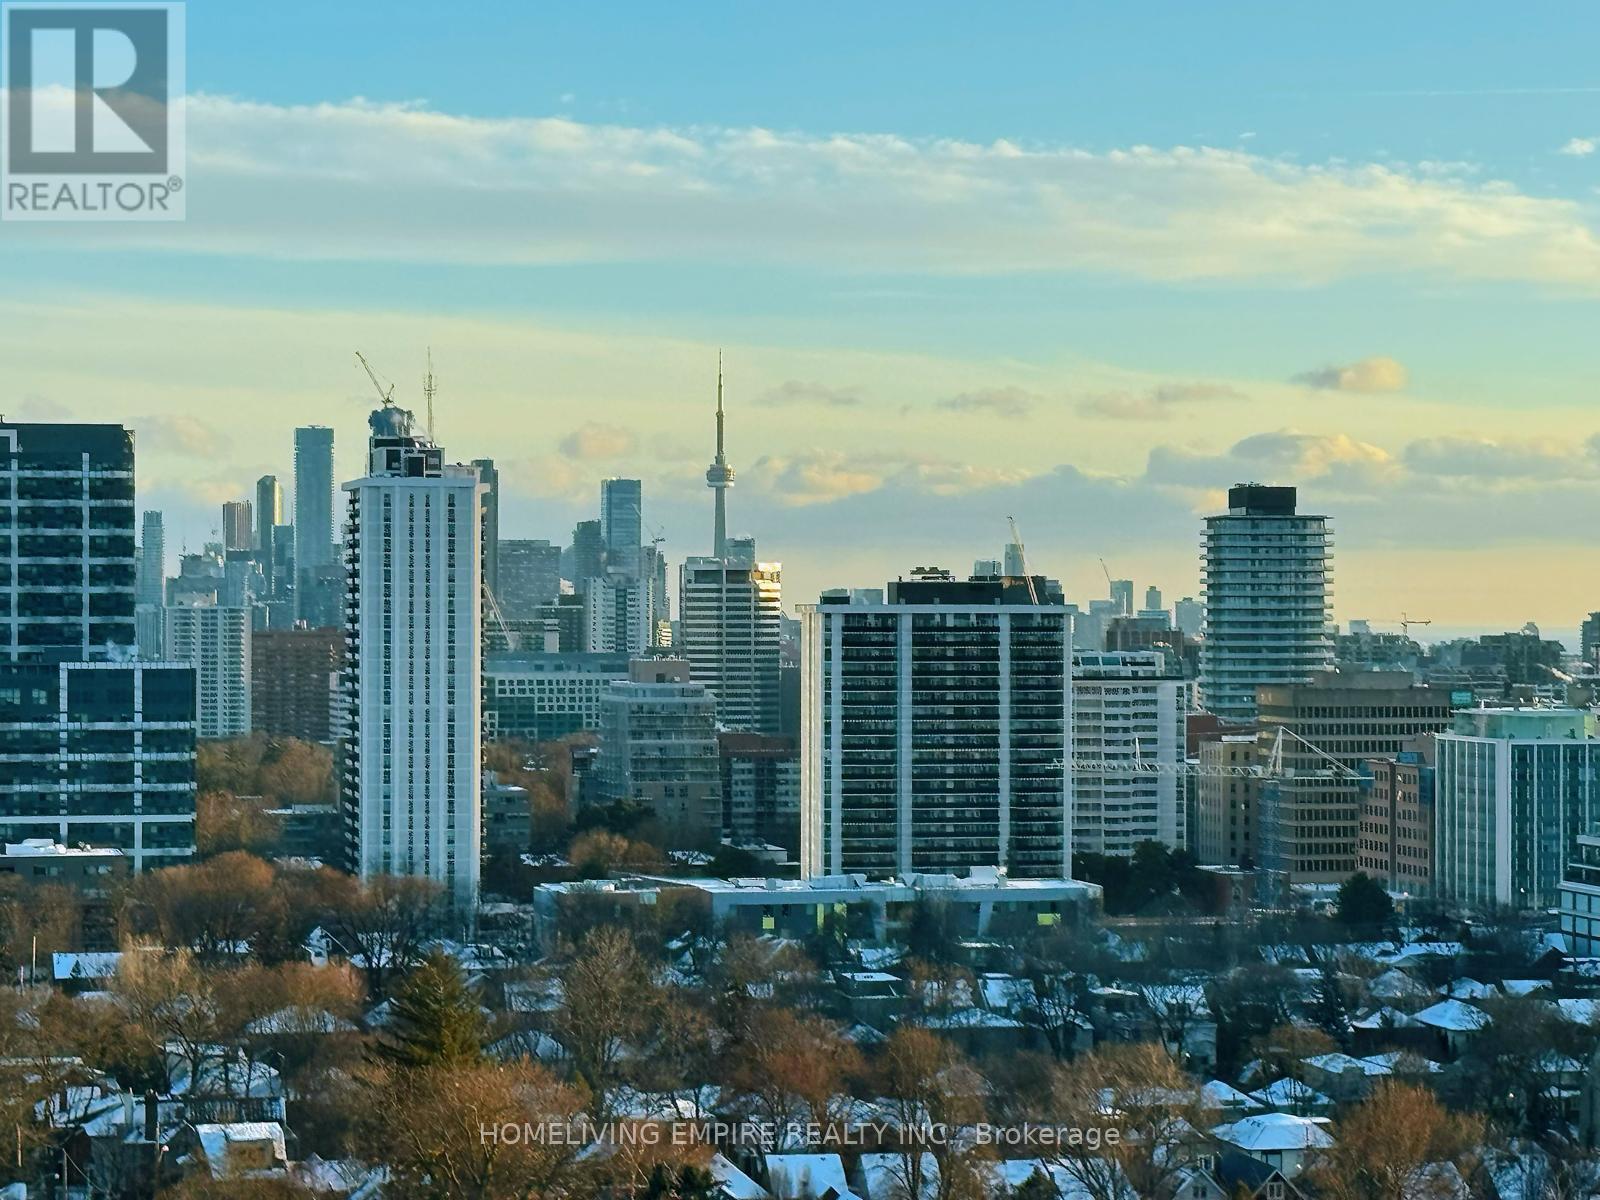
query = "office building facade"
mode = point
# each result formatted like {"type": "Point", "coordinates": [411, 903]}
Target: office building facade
{"type": "Point", "coordinates": [489, 476]}
{"type": "Point", "coordinates": [622, 524]}
{"type": "Point", "coordinates": [1514, 790]}
{"type": "Point", "coordinates": [96, 747]}
{"type": "Point", "coordinates": [1266, 583]}
{"type": "Point", "coordinates": [1397, 819]}
{"type": "Point", "coordinates": [729, 625]}
{"type": "Point", "coordinates": [1308, 823]}
{"type": "Point", "coordinates": [542, 697]}
{"type": "Point", "coordinates": [313, 518]}
{"type": "Point", "coordinates": [935, 726]}
{"type": "Point", "coordinates": [268, 512]}
{"type": "Point", "coordinates": [530, 575]}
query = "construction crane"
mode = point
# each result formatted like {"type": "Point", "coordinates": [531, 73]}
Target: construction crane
{"type": "Point", "coordinates": [1273, 768]}
{"type": "Point", "coordinates": [1106, 571]}
{"type": "Point", "coordinates": [383, 393]}
{"type": "Point", "coordinates": [1405, 621]}
{"type": "Point", "coordinates": [1022, 553]}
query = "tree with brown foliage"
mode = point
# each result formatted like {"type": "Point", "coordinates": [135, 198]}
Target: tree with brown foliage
{"type": "Point", "coordinates": [36, 920]}
{"type": "Point", "coordinates": [474, 1131]}
{"type": "Point", "coordinates": [221, 909]}
{"type": "Point", "coordinates": [932, 1085]}
{"type": "Point", "coordinates": [1382, 1146]}
{"type": "Point", "coordinates": [224, 822]}
{"type": "Point", "coordinates": [1143, 1107]}
{"type": "Point", "coordinates": [792, 1066]}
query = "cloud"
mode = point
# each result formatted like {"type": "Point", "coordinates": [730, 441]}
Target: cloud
{"type": "Point", "coordinates": [797, 391]}
{"type": "Point", "coordinates": [593, 440]}
{"type": "Point", "coordinates": [1379, 373]}
{"type": "Point", "coordinates": [34, 407]}
{"type": "Point", "coordinates": [179, 434]}
{"type": "Point", "coordinates": [1502, 459]}
{"type": "Point", "coordinates": [1155, 403]}
{"type": "Point", "coordinates": [356, 180]}
{"type": "Point", "coordinates": [811, 477]}
{"type": "Point", "coordinates": [1009, 402]}
{"type": "Point", "coordinates": [1580, 147]}
{"type": "Point", "coordinates": [1339, 463]}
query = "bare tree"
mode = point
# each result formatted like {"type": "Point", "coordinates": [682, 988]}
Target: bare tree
{"type": "Point", "coordinates": [609, 1007]}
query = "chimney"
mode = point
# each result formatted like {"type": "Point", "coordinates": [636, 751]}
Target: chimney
{"type": "Point", "coordinates": [152, 1123]}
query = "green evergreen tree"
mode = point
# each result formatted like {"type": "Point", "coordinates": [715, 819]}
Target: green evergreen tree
{"type": "Point", "coordinates": [435, 1018]}
{"type": "Point", "coordinates": [1364, 904]}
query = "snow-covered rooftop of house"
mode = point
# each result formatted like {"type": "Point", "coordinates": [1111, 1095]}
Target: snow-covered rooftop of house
{"type": "Point", "coordinates": [1453, 1015]}
{"type": "Point", "coordinates": [1221, 1095]}
{"type": "Point", "coordinates": [1524, 987]}
{"type": "Point", "coordinates": [1290, 1092]}
{"type": "Point", "coordinates": [1385, 1018]}
{"type": "Point", "coordinates": [733, 1182]}
{"type": "Point", "coordinates": [1468, 989]}
{"type": "Point", "coordinates": [1275, 1131]}
{"type": "Point", "coordinates": [807, 1176]}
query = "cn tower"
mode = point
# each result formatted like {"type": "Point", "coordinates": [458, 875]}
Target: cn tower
{"type": "Point", "coordinates": [719, 477]}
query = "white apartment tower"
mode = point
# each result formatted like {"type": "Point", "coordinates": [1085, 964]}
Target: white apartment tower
{"type": "Point", "coordinates": [1127, 714]}
{"type": "Point", "coordinates": [413, 552]}
{"type": "Point", "coordinates": [1266, 574]}
{"type": "Point", "coordinates": [935, 730]}
{"type": "Point", "coordinates": [215, 639]}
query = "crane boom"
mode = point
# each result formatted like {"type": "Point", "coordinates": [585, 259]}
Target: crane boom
{"type": "Point", "coordinates": [373, 375]}
{"type": "Point", "coordinates": [1022, 553]}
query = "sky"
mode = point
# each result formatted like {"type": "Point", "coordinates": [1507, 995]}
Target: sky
{"type": "Point", "coordinates": [1081, 264]}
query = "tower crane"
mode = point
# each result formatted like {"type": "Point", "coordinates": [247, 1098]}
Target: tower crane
{"type": "Point", "coordinates": [384, 394]}
{"type": "Point", "coordinates": [1273, 768]}
{"type": "Point", "coordinates": [1022, 553]}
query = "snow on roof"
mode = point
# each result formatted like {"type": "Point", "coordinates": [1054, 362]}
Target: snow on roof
{"type": "Point", "coordinates": [1579, 1011]}
{"type": "Point", "coordinates": [1290, 1092]}
{"type": "Point", "coordinates": [1005, 991]}
{"type": "Point", "coordinates": [1395, 984]}
{"type": "Point", "coordinates": [1220, 1095]}
{"type": "Point", "coordinates": [1338, 1064]}
{"type": "Point", "coordinates": [1468, 989]}
{"type": "Point", "coordinates": [971, 1018]}
{"type": "Point", "coordinates": [101, 964]}
{"type": "Point", "coordinates": [1454, 1016]}
{"type": "Point", "coordinates": [885, 1176]}
{"type": "Point", "coordinates": [734, 1183]}
{"type": "Point", "coordinates": [1523, 987]}
{"type": "Point", "coordinates": [216, 1139]}
{"type": "Point", "coordinates": [300, 1020]}
{"type": "Point", "coordinates": [1393, 1058]}
{"type": "Point", "coordinates": [1274, 1131]}
{"type": "Point", "coordinates": [806, 1176]}
{"type": "Point", "coordinates": [1385, 1018]}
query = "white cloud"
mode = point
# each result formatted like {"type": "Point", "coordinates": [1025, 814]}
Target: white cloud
{"type": "Point", "coordinates": [1012, 403]}
{"type": "Point", "coordinates": [802, 391]}
{"type": "Point", "coordinates": [357, 180]}
{"type": "Point", "coordinates": [1380, 373]}
{"type": "Point", "coordinates": [1156, 403]}
{"type": "Point", "coordinates": [1580, 147]}
{"type": "Point", "coordinates": [595, 440]}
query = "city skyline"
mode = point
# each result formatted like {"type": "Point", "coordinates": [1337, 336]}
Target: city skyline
{"type": "Point", "coordinates": [1094, 293]}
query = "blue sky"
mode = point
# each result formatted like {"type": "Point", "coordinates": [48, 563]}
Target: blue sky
{"type": "Point", "coordinates": [1092, 259]}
